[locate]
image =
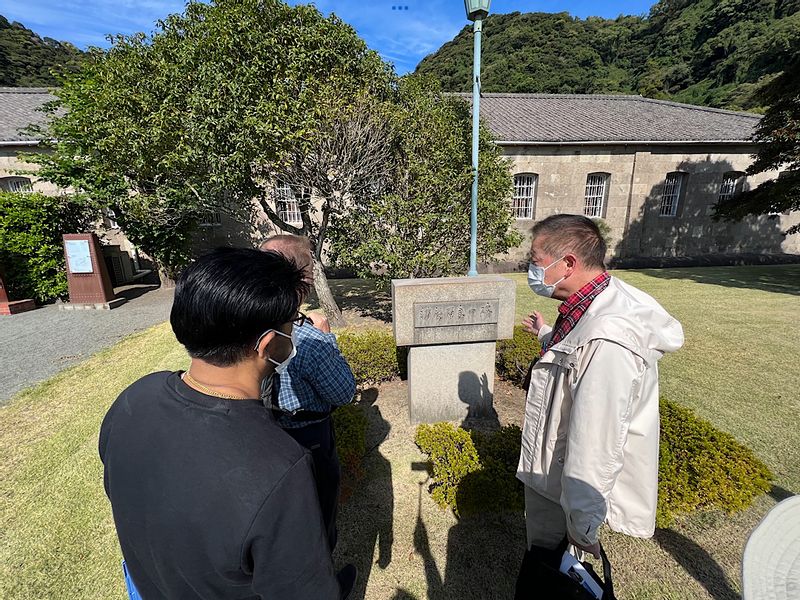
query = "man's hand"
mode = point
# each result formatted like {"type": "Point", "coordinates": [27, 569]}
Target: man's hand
{"type": "Point", "coordinates": [593, 549]}
{"type": "Point", "coordinates": [319, 321]}
{"type": "Point", "coordinates": [533, 322]}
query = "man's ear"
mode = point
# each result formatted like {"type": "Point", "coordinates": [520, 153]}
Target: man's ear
{"type": "Point", "coordinates": [571, 260]}
{"type": "Point", "coordinates": [263, 343]}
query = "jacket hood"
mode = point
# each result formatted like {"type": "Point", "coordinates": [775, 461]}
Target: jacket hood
{"type": "Point", "coordinates": [626, 315]}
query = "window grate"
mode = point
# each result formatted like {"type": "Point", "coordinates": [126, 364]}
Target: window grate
{"type": "Point", "coordinates": [288, 207]}
{"type": "Point", "coordinates": [16, 184]}
{"type": "Point", "coordinates": [596, 189]}
{"type": "Point", "coordinates": [730, 186]}
{"type": "Point", "coordinates": [671, 194]}
{"type": "Point", "coordinates": [522, 203]}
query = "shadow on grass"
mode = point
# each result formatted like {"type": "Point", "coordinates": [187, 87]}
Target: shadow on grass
{"type": "Point", "coordinates": [366, 297]}
{"type": "Point", "coordinates": [366, 519]}
{"type": "Point", "coordinates": [782, 279]}
{"type": "Point", "coordinates": [483, 556]}
{"type": "Point", "coordinates": [698, 563]}
{"type": "Point", "coordinates": [780, 494]}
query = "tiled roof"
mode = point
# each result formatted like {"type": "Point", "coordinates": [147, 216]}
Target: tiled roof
{"type": "Point", "coordinates": [524, 118]}
{"type": "Point", "coordinates": [553, 118]}
{"type": "Point", "coordinates": [18, 110]}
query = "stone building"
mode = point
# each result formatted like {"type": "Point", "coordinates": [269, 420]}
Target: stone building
{"type": "Point", "coordinates": [651, 169]}
{"type": "Point", "coordinates": [18, 110]}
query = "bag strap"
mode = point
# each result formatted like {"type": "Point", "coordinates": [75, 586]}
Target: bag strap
{"type": "Point", "coordinates": [608, 583]}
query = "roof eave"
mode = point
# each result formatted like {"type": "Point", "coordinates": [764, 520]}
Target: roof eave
{"type": "Point", "coordinates": [623, 142]}
{"type": "Point", "coordinates": [19, 142]}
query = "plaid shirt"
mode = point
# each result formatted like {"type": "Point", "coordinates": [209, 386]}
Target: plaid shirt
{"type": "Point", "coordinates": [572, 309]}
{"type": "Point", "coordinates": [317, 379]}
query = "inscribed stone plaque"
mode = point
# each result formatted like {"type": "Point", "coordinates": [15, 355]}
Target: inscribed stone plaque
{"type": "Point", "coordinates": [453, 314]}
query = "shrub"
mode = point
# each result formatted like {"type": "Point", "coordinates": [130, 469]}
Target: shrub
{"type": "Point", "coordinates": [494, 487]}
{"type": "Point", "coordinates": [371, 354]}
{"type": "Point", "coordinates": [452, 455]}
{"type": "Point", "coordinates": [31, 249]}
{"type": "Point", "coordinates": [700, 467]}
{"type": "Point", "coordinates": [514, 356]}
{"type": "Point", "coordinates": [605, 230]}
{"type": "Point", "coordinates": [350, 426]}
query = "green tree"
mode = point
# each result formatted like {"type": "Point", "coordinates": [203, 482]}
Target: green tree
{"type": "Point", "coordinates": [31, 250]}
{"type": "Point", "coordinates": [168, 127]}
{"type": "Point", "coordinates": [419, 225]}
{"type": "Point", "coordinates": [348, 160]}
{"type": "Point", "coordinates": [778, 138]}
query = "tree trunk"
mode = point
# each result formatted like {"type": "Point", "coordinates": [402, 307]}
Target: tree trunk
{"type": "Point", "coordinates": [325, 296]}
{"type": "Point", "coordinates": [164, 278]}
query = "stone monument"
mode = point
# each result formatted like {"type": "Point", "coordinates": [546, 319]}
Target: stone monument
{"type": "Point", "coordinates": [87, 276]}
{"type": "Point", "coordinates": [452, 326]}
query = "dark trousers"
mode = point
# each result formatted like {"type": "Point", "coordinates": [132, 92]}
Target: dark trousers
{"type": "Point", "coordinates": [319, 439]}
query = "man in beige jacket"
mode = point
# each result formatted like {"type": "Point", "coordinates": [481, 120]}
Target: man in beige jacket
{"type": "Point", "coordinates": [590, 438]}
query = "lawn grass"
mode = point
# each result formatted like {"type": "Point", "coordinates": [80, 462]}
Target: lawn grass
{"type": "Point", "coordinates": [738, 369]}
{"type": "Point", "coordinates": [57, 537]}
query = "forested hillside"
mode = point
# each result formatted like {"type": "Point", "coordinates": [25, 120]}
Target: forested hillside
{"type": "Point", "coordinates": [709, 52]}
{"type": "Point", "coordinates": [26, 60]}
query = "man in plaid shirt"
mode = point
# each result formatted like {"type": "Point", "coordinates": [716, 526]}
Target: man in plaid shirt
{"type": "Point", "coordinates": [590, 438]}
{"type": "Point", "coordinates": [317, 380]}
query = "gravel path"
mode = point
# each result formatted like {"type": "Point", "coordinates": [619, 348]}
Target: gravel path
{"type": "Point", "coordinates": [38, 344]}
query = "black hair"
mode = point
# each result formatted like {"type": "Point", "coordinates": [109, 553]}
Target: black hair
{"type": "Point", "coordinates": [576, 234]}
{"type": "Point", "coordinates": [229, 297]}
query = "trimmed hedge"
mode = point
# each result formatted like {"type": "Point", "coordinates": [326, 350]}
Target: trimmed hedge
{"type": "Point", "coordinates": [514, 356]}
{"type": "Point", "coordinates": [350, 427]}
{"type": "Point", "coordinates": [700, 468]}
{"type": "Point", "coordinates": [31, 250]}
{"type": "Point", "coordinates": [371, 354]}
{"type": "Point", "coordinates": [453, 456]}
{"type": "Point", "coordinates": [374, 358]}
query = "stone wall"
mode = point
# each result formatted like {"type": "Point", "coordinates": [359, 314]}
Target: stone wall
{"type": "Point", "coordinates": [10, 166]}
{"type": "Point", "coordinates": [637, 176]}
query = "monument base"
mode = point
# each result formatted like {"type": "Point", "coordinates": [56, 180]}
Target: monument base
{"type": "Point", "coordinates": [450, 382]}
{"type": "Point", "coordinates": [16, 307]}
{"type": "Point", "coordinates": [111, 304]}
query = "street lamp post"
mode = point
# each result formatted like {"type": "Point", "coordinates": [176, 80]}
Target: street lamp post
{"type": "Point", "coordinates": [477, 10]}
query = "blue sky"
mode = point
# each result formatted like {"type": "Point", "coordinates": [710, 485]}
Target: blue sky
{"type": "Point", "coordinates": [403, 37]}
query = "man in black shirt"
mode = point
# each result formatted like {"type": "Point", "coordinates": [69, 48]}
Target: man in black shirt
{"type": "Point", "coordinates": [211, 499]}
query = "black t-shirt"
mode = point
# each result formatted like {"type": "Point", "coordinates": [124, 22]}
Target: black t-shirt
{"type": "Point", "coordinates": [210, 498]}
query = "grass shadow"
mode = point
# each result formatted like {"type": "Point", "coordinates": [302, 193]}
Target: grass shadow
{"type": "Point", "coordinates": [367, 297]}
{"type": "Point", "coordinates": [781, 279]}
{"type": "Point", "coordinates": [698, 563]}
{"type": "Point", "coordinates": [367, 518]}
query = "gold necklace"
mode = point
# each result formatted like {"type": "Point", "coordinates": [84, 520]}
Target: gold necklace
{"type": "Point", "coordinates": [206, 390]}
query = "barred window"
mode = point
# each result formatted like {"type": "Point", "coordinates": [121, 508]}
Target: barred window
{"type": "Point", "coordinates": [524, 200]}
{"type": "Point", "coordinates": [15, 184]}
{"type": "Point", "coordinates": [671, 194]}
{"type": "Point", "coordinates": [732, 183]}
{"type": "Point", "coordinates": [111, 218]}
{"type": "Point", "coordinates": [596, 194]}
{"type": "Point", "coordinates": [212, 219]}
{"type": "Point", "coordinates": [288, 207]}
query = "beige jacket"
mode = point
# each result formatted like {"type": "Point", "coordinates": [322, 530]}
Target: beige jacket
{"type": "Point", "coordinates": [590, 438]}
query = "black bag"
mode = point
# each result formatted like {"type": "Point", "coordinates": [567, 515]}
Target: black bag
{"type": "Point", "coordinates": [540, 577]}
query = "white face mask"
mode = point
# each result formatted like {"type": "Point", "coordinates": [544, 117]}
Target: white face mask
{"type": "Point", "coordinates": [536, 279]}
{"type": "Point", "coordinates": [280, 367]}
